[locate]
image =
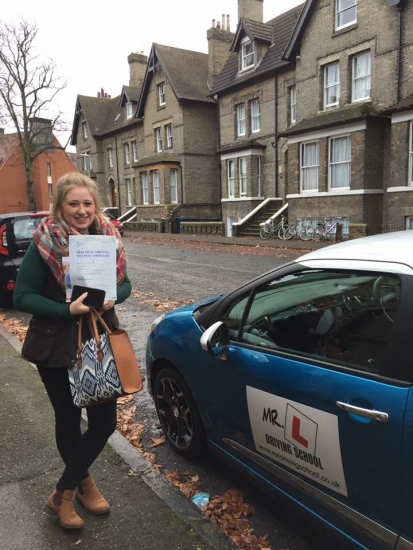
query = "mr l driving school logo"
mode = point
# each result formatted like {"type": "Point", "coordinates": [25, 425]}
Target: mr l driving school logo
{"type": "Point", "coordinates": [297, 436]}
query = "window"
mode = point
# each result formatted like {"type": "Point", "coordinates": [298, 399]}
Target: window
{"type": "Point", "coordinates": [242, 177]}
{"type": "Point", "coordinates": [258, 176]}
{"type": "Point", "coordinates": [241, 120]}
{"type": "Point", "coordinates": [129, 109]}
{"type": "Point", "coordinates": [340, 162]}
{"type": "Point", "coordinates": [127, 154]}
{"type": "Point", "coordinates": [145, 187]}
{"type": "Point", "coordinates": [86, 162]}
{"type": "Point", "coordinates": [110, 157]}
{"type": "Point", "coordinates": [293, 105]}
{"type": "Point", "coordinates": [174, 186]}
{"type": "Point", "coordinates": [231, 178]}
{"type": "Point", "coordinates": [135, 150]}
{"type": "Point", "coordinates": [247, 54]}
{"type": "Point", "coordinates": [158, 140]}
{"type": "Point", "coordinates": [161, 94]}
{"type": "Point", "coordinates": [255, 116]}
{"type": "Point", "coordinates": [84, 130]}
{"type": "Point", "coordinates": [128, 191]}
{"type": "Point", "coordinates": [331, 85]}
{"type": "Point", "coordinates": [49, 179]}
{"type": "Point", "coordinates": [155, 181]}
{"type": "Point", "coordinates": [309, 166]}
{"type": "Point", "coordinates": [169, 139]}
{"type": "Point", "coordinates": [346, 13]}
{"type": "Point", "coordinates": [343, 317]}
{"type": "Point", "coordinates": [361, 76]}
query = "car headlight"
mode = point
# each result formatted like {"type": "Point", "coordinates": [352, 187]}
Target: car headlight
{"type": "Point", "coordinates": [156, 321]}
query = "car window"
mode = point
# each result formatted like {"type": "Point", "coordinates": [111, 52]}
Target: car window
{"type": "Point", "coordinates": [23, 228]}
{"type": "Point", "coordinates": [346, 317]}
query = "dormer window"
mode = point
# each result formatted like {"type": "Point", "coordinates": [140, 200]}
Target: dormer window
{"type": "Point", "coordinates": [247, 54]}
{"type": "Point", "coordinates": [129, 109]}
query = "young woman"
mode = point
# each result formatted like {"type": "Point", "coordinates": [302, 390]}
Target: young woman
{"type": "Point", "coordinates": [51, 340]}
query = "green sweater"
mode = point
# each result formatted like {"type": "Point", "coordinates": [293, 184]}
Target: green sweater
{"type": "Point", "coordinates": [31, 280]}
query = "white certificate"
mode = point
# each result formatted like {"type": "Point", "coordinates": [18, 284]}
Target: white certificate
{"type": "Point", "coordinates": [92, 261]}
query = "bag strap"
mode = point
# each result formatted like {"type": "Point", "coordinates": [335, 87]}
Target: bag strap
{"type": "Point", "coordinates": [95, 313]}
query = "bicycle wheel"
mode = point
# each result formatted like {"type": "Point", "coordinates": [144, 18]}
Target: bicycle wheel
{"type": "Point", "coordinates": [265, 232]}
{"type": "Point", "coordinates": [318, 233]}
{"type": "Point", "coordinates": [290, 232]}
{"type": "Point", "coordinates": [281, 232]}
{"type": "Point", "coordinates": [306, 233]}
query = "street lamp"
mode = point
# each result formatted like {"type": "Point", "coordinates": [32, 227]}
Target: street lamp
{"type": "Point", "coordinates": [84, 155]}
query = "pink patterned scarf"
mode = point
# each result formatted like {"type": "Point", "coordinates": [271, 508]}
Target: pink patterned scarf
{"type": "Point", "coordinates": [52, 240]}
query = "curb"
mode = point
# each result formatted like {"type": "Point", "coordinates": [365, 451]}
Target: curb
{"type": "Point", "coordinates": [173, 498]}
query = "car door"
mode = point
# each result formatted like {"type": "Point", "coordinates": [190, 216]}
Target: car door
{"type": "Point", "coordinates": [311, 394]}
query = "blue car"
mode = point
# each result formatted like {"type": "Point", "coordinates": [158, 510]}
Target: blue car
{"type": "Point", "coordinates": [302, 378]}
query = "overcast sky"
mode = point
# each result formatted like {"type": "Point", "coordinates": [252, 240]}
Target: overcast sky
{"type": "Point", "coordinates": [90, 40]}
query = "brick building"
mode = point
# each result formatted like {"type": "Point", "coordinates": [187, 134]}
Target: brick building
{"type": "Point", "coordinates": [47, 168]}
{"type": "Point", "coordinates": [345, 152]}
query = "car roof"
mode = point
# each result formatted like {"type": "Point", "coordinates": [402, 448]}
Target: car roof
{"type": "Point", "coordinates": [16, 214]}
{"type": "Point", "coordinates": [396, 247]}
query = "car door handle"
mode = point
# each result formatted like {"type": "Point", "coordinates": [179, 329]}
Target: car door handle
{"type": "Point", "coordinates": [378, 416]}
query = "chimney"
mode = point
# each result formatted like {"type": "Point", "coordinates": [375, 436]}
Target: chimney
{"type": "Point", "coordinates": [137, 68]}
{"type": "Point", "coordinates": [251, 9]}
{"type": "Point", "coordinates": [219, 42]}
{"type": "Point", "coordinates": [41, 132]}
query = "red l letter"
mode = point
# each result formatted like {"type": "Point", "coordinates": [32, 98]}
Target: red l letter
{"type": "Point", "coordinates": [296, 432]}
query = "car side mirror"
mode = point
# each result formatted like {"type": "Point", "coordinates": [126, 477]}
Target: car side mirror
{"type": "Point", "coordinates": [215, 340]}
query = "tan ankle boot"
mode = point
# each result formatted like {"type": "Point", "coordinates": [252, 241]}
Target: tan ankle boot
{"type": "Point", "coordinates": [60, 504]}
{"type": "Point", "coordinates": [88, 494]}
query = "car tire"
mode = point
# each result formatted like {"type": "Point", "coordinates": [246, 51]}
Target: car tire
{"type": "Point", "coordinates": [178, 414]}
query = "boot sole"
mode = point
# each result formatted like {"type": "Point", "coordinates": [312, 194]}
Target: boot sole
{"type": "Point", "coordinates": [95, 513]}
{"type": "Point", "coordinates": [51, 512]}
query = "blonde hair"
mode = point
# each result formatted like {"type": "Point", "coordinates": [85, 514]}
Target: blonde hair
{"type": "Point", "coordinates": [70, 181]}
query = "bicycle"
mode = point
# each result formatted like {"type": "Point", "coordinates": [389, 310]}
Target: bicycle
{"type": "Point", "coordinates": [324, 230]}
{"type": "Point", "coordinates": [268, 229]}
{"type": "Point", "coordinates": [307, 231]}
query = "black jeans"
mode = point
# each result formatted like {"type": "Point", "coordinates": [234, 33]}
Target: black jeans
{"type": "Point", "coordinates": [77, 450]}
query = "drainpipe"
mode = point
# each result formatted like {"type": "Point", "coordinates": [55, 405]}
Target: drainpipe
{"type": "Point", "coordinates": [276, 133]}
{"type": "Point", "coordinates": [219, 164]}
{"type": "Point", "coordinates": [117, 172]}
{"type": "Point", "coordinates": [399, 52]}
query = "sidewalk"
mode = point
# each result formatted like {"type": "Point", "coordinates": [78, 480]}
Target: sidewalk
{"type": "Point", "coordinates": [241, 241]}
{"type": "Point", "coordinates": [147, 512]}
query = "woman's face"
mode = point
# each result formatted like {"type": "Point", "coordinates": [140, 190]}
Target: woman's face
{"type": "Point", "coordinates": [78, 208]}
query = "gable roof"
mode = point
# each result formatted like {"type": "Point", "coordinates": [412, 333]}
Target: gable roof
{"type": "Point", "coordinates": [103, 115]}
{"type": "Point", "coordinates": [129, 93]}
{"type": "Point", "coordinates": [277, 32]}
{"type": "Point", "coordinates": [299, 29]}
{"type": "Point", "coordinates": [186, 71]}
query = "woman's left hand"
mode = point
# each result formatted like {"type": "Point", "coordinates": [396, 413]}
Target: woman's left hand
{"type": "Point", "coordinates": [107, 304]}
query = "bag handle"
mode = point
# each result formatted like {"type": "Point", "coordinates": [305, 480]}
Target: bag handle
{"type": "Point", "coordinates": [95, 314]}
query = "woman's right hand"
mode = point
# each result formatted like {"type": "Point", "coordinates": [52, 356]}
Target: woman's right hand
{"type": "Point", "coordinates": [77, 307]}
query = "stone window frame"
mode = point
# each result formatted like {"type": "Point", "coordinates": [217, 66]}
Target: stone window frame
{"type": "Point", "coordinates": [156, 188]}
{"type": "Point", "coordinates": [84, 129]}
{"type": "Point", "coordinates": [110, 157]}
{"type": "Point", "coordinates": [327, 86]}
{"type": "Point", "coordinates": [303, 144]}
{"type": "Point", "coordinates": [330, 164]}
{"type": "Point", "coordinates": [354, 57]}
{"type": "Point", "coordinates": [129, 109]}
{"type": "Point", "coordinates": [145, 187]}
{"type": "Point", "coordinates": [255, 116]}
{"type": "Point", "coordinates": [129, 190]}
{"type": "Point", "coordinates": [231, 178]}
{"type": "Point", "coordinates": [241, 122]}
{"type": "Point", "coordinates": [161, 94]}
{"type": "Point", "coordinates": [174, 200]}
{"type": "Point", "coordinates": [126, 153]}
{"type": "Point", "coordinates": [134, 144]}
{"type": "Point", "coordinates": [158, 139]}
{"type": "Point", "coordinates": [169, 136]}
{"type": "Point", "coordinates": [339, 11]}
{"type": "Point", "coordinates": [292, 104]}
{"type": "Point", "coordinates": [242, 176]}
{"type": "Point", "coordinates": [244, 54]}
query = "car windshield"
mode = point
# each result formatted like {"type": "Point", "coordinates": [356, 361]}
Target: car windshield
{"type": "Point", "coordinates": [24, 227]}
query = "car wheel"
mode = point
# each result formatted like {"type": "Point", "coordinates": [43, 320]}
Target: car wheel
{"type": "Point", "coordinates": [178, 414]}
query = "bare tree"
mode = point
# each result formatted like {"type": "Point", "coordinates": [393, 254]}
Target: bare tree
{"type": "Point", "coordinates": [28, 86]}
